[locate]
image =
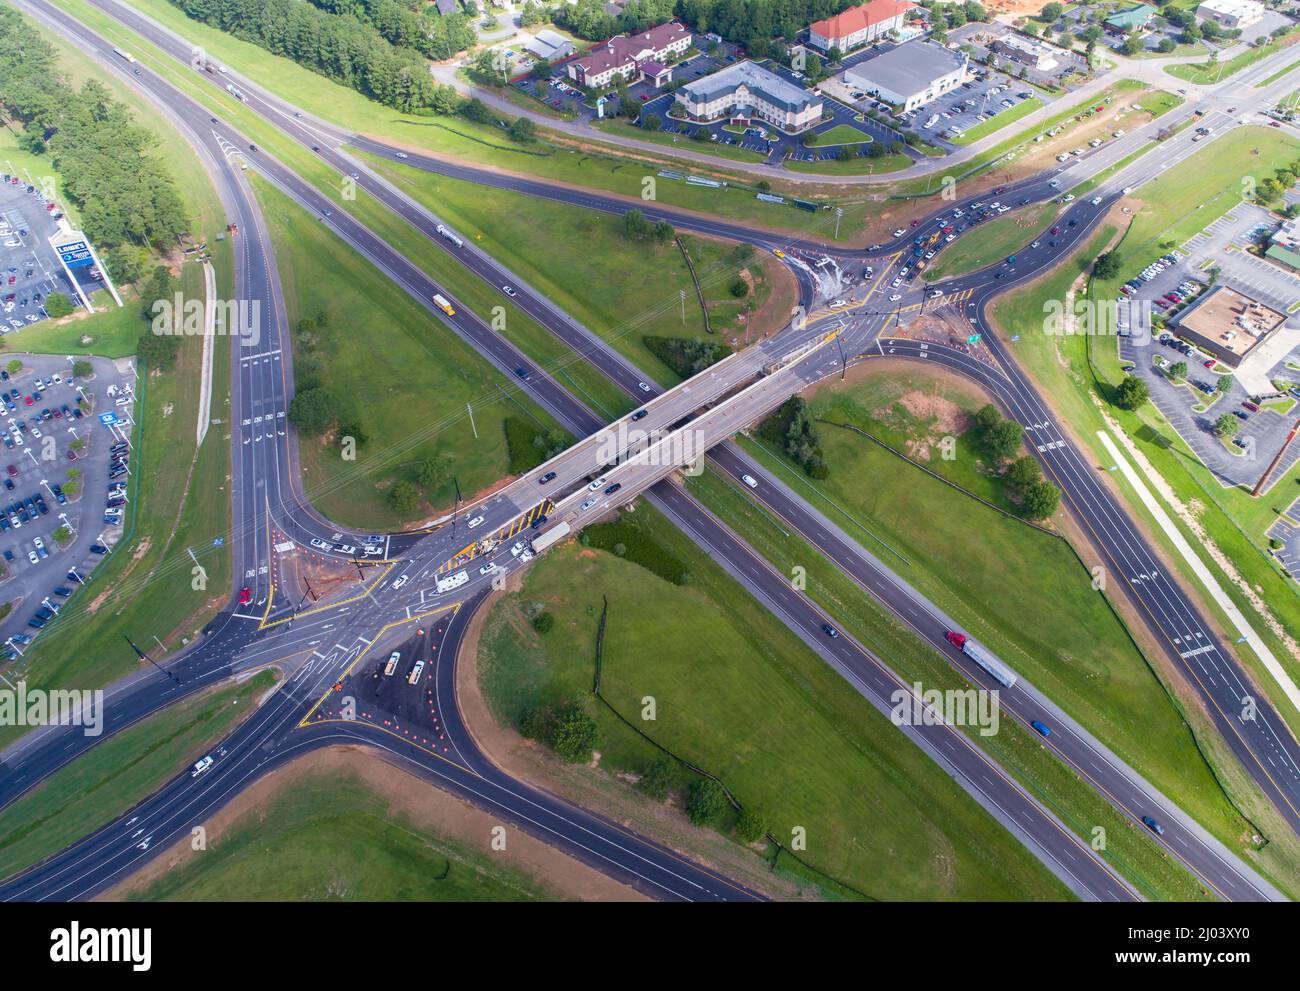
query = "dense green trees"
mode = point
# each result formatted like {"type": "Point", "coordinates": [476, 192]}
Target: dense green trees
{"type": "Point", "coordinates": [414, 26]}
{"type": "Point", "coordinates": [341, 47]}
{"type": "Point", "coordinates": [106, 162]}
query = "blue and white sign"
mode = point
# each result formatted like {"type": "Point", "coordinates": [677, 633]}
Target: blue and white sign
{"type": "Point", "coordinates": [108, 419]}
{"type": "Point", "coordinates": [218, 541]}
{"type": "Point", "coordinates": [75, 254]}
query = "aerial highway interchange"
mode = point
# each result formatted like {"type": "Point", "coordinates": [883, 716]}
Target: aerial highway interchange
{"type": "Point", "coordinates": [434, 580]}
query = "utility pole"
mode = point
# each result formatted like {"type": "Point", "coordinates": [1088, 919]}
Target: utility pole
{"type": "Point", "coordinates": [682, 294]}
{"type": "Point", "coordinates": [839, 212]}
{"type": "Point", "coordinates": [470, 410]}
{"type": "Point", "coordinates": [145, 657]}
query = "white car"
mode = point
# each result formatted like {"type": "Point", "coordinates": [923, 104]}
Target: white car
{"type": "Point", "coordinates": [900, 232]}
{"type": "Point", "coordinates": [402, 154]}
{"type": "Point", "coordinates": [936, 293]}
{"type": "Point", "coordinates": [517, 549]}
{"type": "Point", "coordinates": [598, 483]}
{"type": "Point", "coordinates": [476, 521]}
{"type": "Point", "coordinates": [836, 304]}
{"type": "Point", "coordinates": [31, 556]}
{"type": "Point", "coordinates": [895, 298]}
{"type": "Point", "coordinates": [1096, 201]}
{"type": "Point", "coordinates": [750, 480]}
{"type": "Point", "coordinates": [201, 766]}
{"type": "Point", "coordinates": [488, 568]}
{"type": "Point", "coordinates": [508, 290]}
{"type": "Point", "coordinates": [319, 544]}
{"type": "Point", "coordinates": [345, 549]}
{"type": "Point", "coordinates": [587, 504]}
{"type": "Point", "coordinates": [643, 387]}
{"type": "Point", "coordinates": [526, 556]}
{"type": "Point", "coordinates": [400, 582]}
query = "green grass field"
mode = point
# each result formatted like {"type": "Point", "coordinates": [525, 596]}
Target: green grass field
{"type": "Point", "coordinates": [113, 331]}
{"type": "Point", "coordinates": [619, 288]}
{"type": "Point", "coordinates": [991, 241]}
{"type": "Point", "coordinates": [405, 375]}
{"type": "Point", "coordinates": [1022, 592]}
{"type": "Point", "coordinates": [842, 134]}
{"type": "Point", "coordinates": [738, 694]}
{"type": "Point", "coordinates": [1000, 120]}
{"type": "Point", "coordinates": [1015, 748]}
{"type": "Point", "coordinates": [1212, 71]}
{"type": "Point", "coordinates": [125, 768]}
{"type": "Point", "coordinates": [327, 837]}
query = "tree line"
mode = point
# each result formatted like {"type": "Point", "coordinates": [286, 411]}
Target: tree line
{"type": "Point", "coordinates": [412, 24]}
{"type": "Point", "coordinates": [105, 161]}
{"type": "Point", "coordinates": [340, 47]}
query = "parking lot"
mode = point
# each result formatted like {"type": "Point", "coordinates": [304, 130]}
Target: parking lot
{"type": "Point", "coordinates": [29, 268]}
{"type": "Point", "coordinates": [1193, 406]}
{"type": "Point", "coordinates": [65, 447]}
{"type": "Point", "coordinates": [977, 100]}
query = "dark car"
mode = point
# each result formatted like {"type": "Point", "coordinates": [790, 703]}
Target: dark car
{"type": "Point", "coordinates": [548, 477]}
{"type": "Point", "coordinates": [830, 631]}
{"type": "Point", "coordinates": [98, 549]}
{"type": "Point", "coordinates": [613, 488]}
{"type": "Point", "coordinates": [1153, 825]}
{"type": "Point", "coordinates": [1041, 728]}
{"type": "Point", "coordinates": [639, 415]}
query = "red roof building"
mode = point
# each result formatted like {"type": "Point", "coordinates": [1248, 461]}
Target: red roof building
{"type": "Point", "coordinates": [859, 25]}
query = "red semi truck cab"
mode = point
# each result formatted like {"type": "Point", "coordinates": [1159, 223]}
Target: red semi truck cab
{"type": "Point", "coordinates": [958, 640]}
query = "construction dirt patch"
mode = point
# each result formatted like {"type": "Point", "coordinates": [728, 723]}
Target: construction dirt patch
{"type": "Point", "coordinates": [408, 797]}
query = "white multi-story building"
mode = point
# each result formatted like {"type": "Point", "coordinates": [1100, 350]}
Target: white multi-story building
{"type": "Point", "coordinates": [1231, 13]}
{"type": "Point", "coordinates": [746, 90]}
{"type": "Point", "coordinates": [859, 25]}
{"type": "Point", "coordinates": [910, 75]}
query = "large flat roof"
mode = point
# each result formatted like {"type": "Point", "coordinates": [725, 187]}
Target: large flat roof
{"type": "Point", "coordinates": [769, 85]}
{"type": "Point", "coordinates": [908, 68]}
{"type": "Point", "coordinates": [1231, 320]}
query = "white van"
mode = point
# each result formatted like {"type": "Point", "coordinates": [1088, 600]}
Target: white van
{"type": "Point", "coordinates": [201, 766]}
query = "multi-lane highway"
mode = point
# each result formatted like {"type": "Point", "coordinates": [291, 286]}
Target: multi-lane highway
{"type": "Point", "coordinates": [1092, 879]}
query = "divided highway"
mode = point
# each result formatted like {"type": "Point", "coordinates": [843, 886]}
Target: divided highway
{"type": "Point", "coordinates": [796, 610]}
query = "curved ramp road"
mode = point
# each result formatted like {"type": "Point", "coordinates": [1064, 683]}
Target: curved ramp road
{"type": "Point", "coordinates": [597, 352]}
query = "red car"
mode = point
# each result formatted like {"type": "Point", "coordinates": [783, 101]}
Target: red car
{"type": "Point", "coordinates": [245, 594]}
{"type": "Point", "coordinates": [13, 470]}
{"type": "Point", "coordinates": [1056, 230]}
{"type": "Point", "coordinates": [31, 401]}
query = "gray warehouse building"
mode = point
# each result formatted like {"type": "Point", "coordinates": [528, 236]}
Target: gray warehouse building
{"type": "Point", "coordinates": [910, 75]}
